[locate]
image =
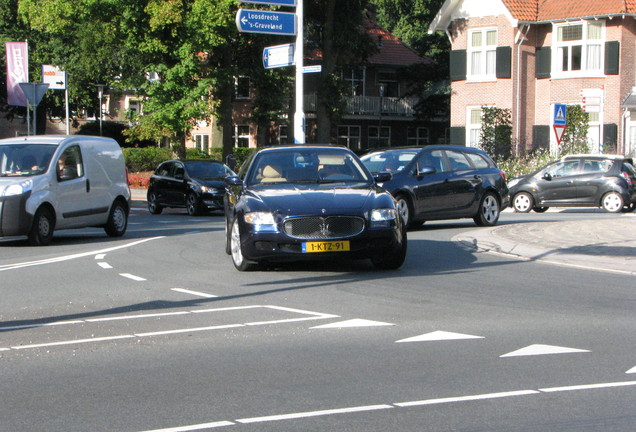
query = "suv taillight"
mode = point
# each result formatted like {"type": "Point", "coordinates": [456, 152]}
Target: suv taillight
{"type": "Point", "coordinates": [503, 176]}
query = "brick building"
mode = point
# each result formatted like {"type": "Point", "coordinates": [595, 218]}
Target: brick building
{"type": "Point", "coordinates": [529, 55]}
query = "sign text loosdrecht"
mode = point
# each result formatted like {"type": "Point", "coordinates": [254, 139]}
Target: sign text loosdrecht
{"type": "Point", "coordinates": [267, 22]}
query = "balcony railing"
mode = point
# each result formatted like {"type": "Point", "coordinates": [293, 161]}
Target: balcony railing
{"type": "Point", "coordinates": [371, 105]}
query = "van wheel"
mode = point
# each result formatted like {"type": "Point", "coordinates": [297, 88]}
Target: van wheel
{"type": "Point", "coordinates": [42, 228]}
{"type": "Point", "coordinates": [117, 220]}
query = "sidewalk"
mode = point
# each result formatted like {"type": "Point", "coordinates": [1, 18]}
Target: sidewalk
{"type": "Point", "coordinates": [600, 244]}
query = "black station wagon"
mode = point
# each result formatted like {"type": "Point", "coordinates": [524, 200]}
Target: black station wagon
{"type": "Point", "coordinates": [442, 182]}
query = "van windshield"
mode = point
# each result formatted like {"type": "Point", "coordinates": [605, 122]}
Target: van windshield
{"type": "Point", "coordinates": [25, 160]}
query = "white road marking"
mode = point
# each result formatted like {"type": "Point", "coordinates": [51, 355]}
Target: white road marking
{"type": "Point", "coordinates": [194, 427]}
{"type": "Point", "coordinates": [353, 323]}
{"type": "Point", "coordinates": [313, 414]}
{"type": "Point", "coordinates": [70, 342]}
{"type": "Point", "coordinates": [467, 398]}
{"type": "Point", "coordinates": [588, 386]}
{"type": "Point", "coordinates": [312, 316]}
{"type": "Point", "coordinates": [539, 349]}
{"type": "Point", "coordinates": [100, 256]}
{"type": "Point", "coordinates": [410, 404]}
{"type": "Point", "coordinates": [195, 293]}
{"type": "Point", "coordinates": [104, 265]}
{"type": "Point", "coordinates": [74, 256]}
{"type": "Point", "coordinates": [439, 336]}
{"type": "Point", "coordinates": [132, 276]}
{"type": "Point", "coordinates": [632, 370]}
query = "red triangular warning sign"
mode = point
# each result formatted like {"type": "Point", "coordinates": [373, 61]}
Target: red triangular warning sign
{"type": "Point", "coordinates": [558, 132]}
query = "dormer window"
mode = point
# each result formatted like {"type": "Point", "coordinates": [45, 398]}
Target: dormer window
{"type": "Point", "coordinates": [482, 58]}
{"type": "Point", "coordinates": [578, 49]}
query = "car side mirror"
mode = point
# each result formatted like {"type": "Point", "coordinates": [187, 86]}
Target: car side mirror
{"type": "Point", "coordinates": [382, 177]}
{"type": "Point", "coordinates": [233, 181]}
{"type": "Point", "coordinates": [426, 170]}
{"type": "Point", "coordinates": [547, 176]}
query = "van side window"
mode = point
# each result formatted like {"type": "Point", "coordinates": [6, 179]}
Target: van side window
{"type": "Point", "coordinates": [70, 164]}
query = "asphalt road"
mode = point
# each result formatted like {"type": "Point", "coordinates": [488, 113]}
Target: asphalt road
{"type": "Point", "coordinates": [157, 331]}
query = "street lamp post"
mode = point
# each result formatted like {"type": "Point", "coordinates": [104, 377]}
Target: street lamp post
{"type": "Point", "coordinates": [100, 92]}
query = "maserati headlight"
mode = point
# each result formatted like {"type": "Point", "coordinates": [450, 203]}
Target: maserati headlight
{"type": "Point", "coordinates": [18, 188]}
{"type": "Point", "coordinates": [262, 221]}
{"type": "Point", "coordinates": [382, 214]}
{"type": "Point", "coordinates": [259, 218]}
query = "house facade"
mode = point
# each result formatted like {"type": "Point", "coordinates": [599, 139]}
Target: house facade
{"type": "Point", "coordinates": [532, 56]}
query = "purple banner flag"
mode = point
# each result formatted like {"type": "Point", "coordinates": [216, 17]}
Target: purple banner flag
{"type": "Point", "coordinates": [17, 72]}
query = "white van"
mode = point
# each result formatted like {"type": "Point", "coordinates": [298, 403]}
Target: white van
{"type": "Point", "coordinates": [52, 182]}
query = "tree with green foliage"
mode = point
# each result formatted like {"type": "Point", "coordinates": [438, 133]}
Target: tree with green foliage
{"type": "Point", "coordinates": [496, 132]}
{"type": "Point", "coordinates": [408, 20]}
{"type": "Point", "coordinates": [574, 138]}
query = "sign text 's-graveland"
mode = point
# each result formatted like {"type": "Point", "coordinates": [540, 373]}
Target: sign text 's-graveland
{"type": "Point", "coordinates": [255, 21]}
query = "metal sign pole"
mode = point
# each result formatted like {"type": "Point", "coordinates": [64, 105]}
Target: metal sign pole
{"type": "Point", "coordinates": [299, 116]}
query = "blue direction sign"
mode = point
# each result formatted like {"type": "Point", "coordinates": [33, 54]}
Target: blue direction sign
{"type": "Point", "coordinates": [267, 22]}
{"type": "Point", "coordinates": [273, 2]}
{"type": "Point", "coordinates": [278, 56]}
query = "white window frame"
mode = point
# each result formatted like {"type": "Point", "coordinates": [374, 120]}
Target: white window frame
{"type": "Point", "coordinates": [473, 130]}
{"type": "Point", "coordinates": [422, 136]}
{"type": "Point", "coordinates": [481, 61]}
{"type": "Point", "coordinates": [353, 141]}
{"type": "Point", "coordinates": [379, 136]}
{"type": "Point", "coordinates": [237, 138]}
{"type": "Point", "coordinates": [239, 83]}
{"type": "Point", "coordinates": [591, 66]}
{"type": "Point", "coordinates": [202, 142]}
{"type": "Point", "coordinates": [355, 78]}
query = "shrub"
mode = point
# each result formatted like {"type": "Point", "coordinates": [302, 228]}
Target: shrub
{"type": "Point", "coordinates": [521, 165]}
{"type": "Point", "coordinates": [146, 159]}
{"type": "Point", "coordinates": [139, 179]}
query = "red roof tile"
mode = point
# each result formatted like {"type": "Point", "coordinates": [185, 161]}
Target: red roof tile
{"type": "Point", "coordinates": [553, 10]}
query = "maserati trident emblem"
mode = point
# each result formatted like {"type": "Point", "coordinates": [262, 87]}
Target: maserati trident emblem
{"type": "Point", "coordinates": [324, 211]}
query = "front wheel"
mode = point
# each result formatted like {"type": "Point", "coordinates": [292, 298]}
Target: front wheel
{"type": "Point", "coordinates": [405, 209]}
{"type": "Point", "coordinates": [238, 259]}
{"type": "Point", "coordinates": [117, 220]}
{"type": "Point", "coordinates": [612, 202]}
{"type": "Point", "coordinates": [392, 260]}
{"type": "Point", "coordinates": [192, 204]}
{"type": "Point", "coordinates": [153, 203]}
{"type": "Point", "coordinates": [522, 202]}
{"type": "Point", "coordinates": [488, 212]}
{"type": "Point", "coordinates": [42, 228]}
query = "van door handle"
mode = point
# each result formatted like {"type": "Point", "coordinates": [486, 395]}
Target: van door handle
{"type": "Point", "coordinates": [88, 185]}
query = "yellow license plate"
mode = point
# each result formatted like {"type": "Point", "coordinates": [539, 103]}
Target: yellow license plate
{"type": "Point", "coordinates": [329, 246]}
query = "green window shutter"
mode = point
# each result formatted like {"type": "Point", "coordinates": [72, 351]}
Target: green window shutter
{"type": "Point", "coordinates": [612, 55]}
{"type": "Point", "coordinates": [610, 136]}
{"type": "Point", "coordinates": [504, 57]}
{"type": "Point", "coordinates": [458, 65]}
{"type": "Point", "coordinates": [542, 60]}
{"type": "Point", "coordinates": [540, 136]}
{"type": "Point", "coordinates": [458, 135]}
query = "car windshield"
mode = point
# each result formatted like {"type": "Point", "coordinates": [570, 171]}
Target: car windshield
{"type": "Point", "coordinates": [207, 170]}
{"type": "Point", "coordinates": [25, 160]}
{"type": "Point", "coordinates": [310, 165]}
{"type": "Point", "coordinates": [391, 160]}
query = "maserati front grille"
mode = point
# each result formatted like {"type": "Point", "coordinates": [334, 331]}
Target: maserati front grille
{"type": "Point", "coordinates": [320, 228]}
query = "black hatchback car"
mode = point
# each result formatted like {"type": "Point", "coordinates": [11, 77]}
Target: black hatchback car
{"type": "Point", "coordinates": [442, 182]}
{"type": "Point", "coordinates": [197, 185]}
{"type": "Point", "coordinates": [606, 181]}
{"type": "Point", "coordinates": [310, 202]}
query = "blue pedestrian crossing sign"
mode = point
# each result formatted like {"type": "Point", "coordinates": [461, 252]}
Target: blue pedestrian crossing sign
{"type": "Point", "coordinates": [560, 114]}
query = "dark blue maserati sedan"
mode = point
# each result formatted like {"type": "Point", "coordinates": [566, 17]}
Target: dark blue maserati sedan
{"type": "Point", "coordinates": [310, 202]}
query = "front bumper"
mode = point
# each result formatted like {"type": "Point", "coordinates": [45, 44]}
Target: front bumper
{"type": "Point", "coordinates": [14, 219]}
{"type": "Point", "coordinates": [278, 247]}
